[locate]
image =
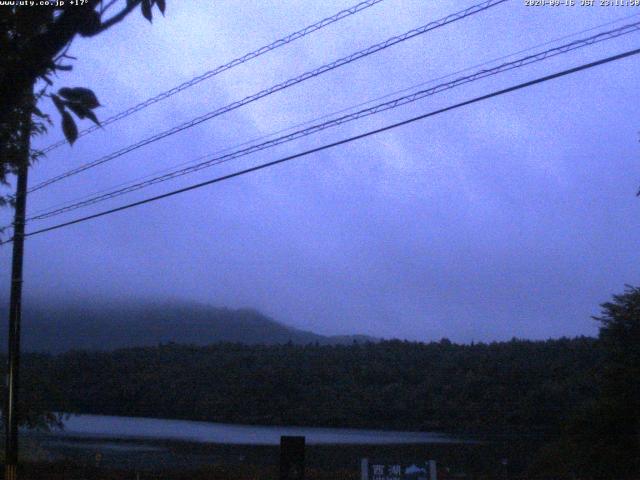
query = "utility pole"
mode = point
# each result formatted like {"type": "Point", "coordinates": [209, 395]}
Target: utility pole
{"type": "Point", "coordinates": [11, 410]}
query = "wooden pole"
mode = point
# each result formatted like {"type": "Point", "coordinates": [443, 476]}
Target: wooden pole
{"type": "Point", "coordinates": [11, 411]}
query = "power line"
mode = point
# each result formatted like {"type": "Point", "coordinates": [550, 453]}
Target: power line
{"type": "Point", "coordinates": [341, 142]}
{"type": "Point", "coordinates": [288, 83]}
{"type": "Point", "coordinates": [528, 60]}
{"type": "Point", "coordinates": [276, 88]}
{"type": "Point", "coordinates": [322, 117]}
{"type": "Point", "coordinates": [223, 68]}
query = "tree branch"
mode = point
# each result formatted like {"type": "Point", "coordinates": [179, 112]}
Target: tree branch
{"type": "Point", "coordinates": [117, 18]}
{"type": "Point", "coordinates": [104, 8]}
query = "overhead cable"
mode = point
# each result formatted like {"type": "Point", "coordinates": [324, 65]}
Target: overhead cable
{"type": "Point", "coordinates": [223, 68]}
{"type": "Point", "coordinates": [537, 57]}
{"type": "Point", "coordinates": [328, 115]}
{"type": "Point", "coordinates": [497, 93]}
{"type": "Point", "coordinates": [276, 88]}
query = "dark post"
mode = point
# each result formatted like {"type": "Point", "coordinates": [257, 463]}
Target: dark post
{"type": "Point", "coordinates": [292, 458]}
{"type": "Point", "coordinates": [11, 411]}
{"type": "Point", "coordinates": [505, 465]}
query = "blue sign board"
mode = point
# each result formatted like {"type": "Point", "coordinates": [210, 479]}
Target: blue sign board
{"type": "Point", "coordinates": [375, 470]}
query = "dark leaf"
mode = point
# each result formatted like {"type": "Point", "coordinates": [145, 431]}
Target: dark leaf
{"type": "Point", "coordinates": [83, 112]}
{"type": "Point", "coordinates": [66, 68]}
{"type": "Point", "coordinates": [162, 5]}
{"type": "Point", "coordinates": [145, 5]}
{"type": "Point", "coordinates": [80, 95]}
{"type": "Point", "coordinates": [69, 128]}
{"type": "Point", "coordinates": [93, 118]}
{"type": "Point", "coordinates": [40, 114]}
{"type": "Point", "coordinates": [89, 23]}
{"type": "Point", "coordinates": [79, 109]}
{"type": "Point", "coordinates": [57, 101]}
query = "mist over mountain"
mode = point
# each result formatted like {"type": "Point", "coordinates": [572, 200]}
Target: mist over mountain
{"type": "Point", "coordinates": [57, 327]}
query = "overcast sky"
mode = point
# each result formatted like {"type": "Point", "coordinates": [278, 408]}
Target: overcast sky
{"type": "Point", "coordinates": [516, 216]}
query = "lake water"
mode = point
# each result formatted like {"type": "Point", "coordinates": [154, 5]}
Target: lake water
{"type": "Point", "coordinates": [103, 426]}
{"type": "Point", "coordinates": [150, 443]}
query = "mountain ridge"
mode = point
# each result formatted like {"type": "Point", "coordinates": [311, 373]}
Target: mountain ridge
{"type": "Point", "coordinates": [57, 327]}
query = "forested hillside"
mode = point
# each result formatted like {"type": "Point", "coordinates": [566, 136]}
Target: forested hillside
{"type": "Point", "coordinates": [526, 386]}
{"type": "Point", "coordinates": [56, 328]}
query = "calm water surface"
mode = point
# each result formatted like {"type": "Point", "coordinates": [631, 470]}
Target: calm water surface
{"type": "Point", "coordinates": [103, 426]}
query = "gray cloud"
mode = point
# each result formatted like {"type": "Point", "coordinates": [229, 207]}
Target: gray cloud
{"type": "Point", "coordinates": [513, 217]}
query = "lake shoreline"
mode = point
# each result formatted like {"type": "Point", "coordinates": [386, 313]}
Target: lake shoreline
{"type": "Point", "coordinates": [144, 428]}
{"type": "Point", "coordinates": [111, 450]}
{"type": "Point", "coordinates": [173, 458]}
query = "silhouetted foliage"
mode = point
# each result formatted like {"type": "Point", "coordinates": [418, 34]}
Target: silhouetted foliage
{"type": "Point", "coordinates": [516, 386]}
{"type": "Point", "coordinates": [34, 41]}
{"type": "Point", "coordinates": [602, 440]}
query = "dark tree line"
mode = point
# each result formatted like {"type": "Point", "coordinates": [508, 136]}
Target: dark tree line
{"type": "Point", "coordinates": [583, 393]}
{"type": "Point", "coordinates": [514, 386]}
{"type": "Point", "coordinates": [602, 437]}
